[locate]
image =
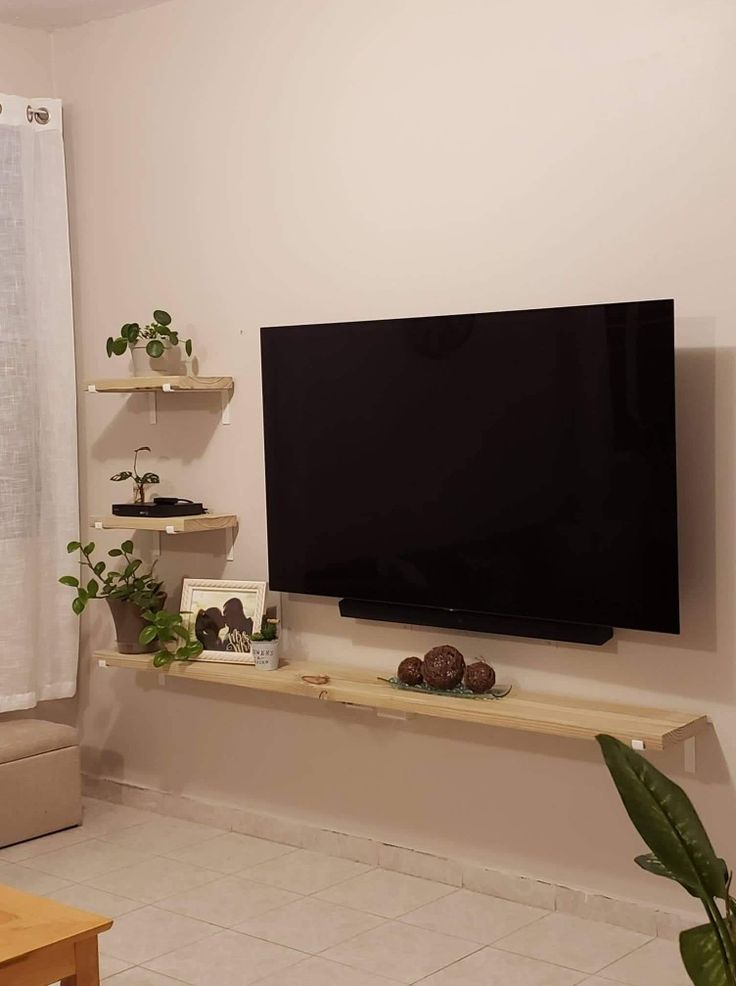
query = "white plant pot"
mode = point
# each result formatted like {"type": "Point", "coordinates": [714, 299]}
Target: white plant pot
{"type": "Point", "coordinates": [171, 364]}
{"type": "Point", "coordinates": [265, 654]}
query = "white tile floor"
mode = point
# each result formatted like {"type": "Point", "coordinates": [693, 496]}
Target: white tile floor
{"type": "Point", "coordinates": [196, 905]}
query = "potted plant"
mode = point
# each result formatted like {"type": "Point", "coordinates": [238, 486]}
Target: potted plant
{"type": "Point", "coordinates": [154, 348]}
{"type": "Point", "coordinates": [171, 637]}
{"type": "Point", "coordinates": [140, 482]}
{"type": "Point", "coordinates": [681, 851]}
{"type": "Point", "coordinates": [264, 645]}
{"type": "Point", "coordinates": [130, 593]}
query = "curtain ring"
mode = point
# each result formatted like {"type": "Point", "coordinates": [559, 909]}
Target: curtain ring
{"type": "Point", "coordinates": [40, 115]}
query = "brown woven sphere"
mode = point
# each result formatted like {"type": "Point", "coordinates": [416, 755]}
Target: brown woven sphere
{"type": "Point", "coordinates": [443, 667]}
{"type": "Point", "coordinates": [480, 677]}
{"type": "Point", "coordinates": [410, 671]}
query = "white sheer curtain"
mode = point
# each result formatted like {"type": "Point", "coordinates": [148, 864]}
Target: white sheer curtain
{"type": "Point", "coordinates": [39, 509]}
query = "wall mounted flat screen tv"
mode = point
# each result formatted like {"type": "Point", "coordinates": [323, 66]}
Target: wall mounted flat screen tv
{"type": "Point", "coordinates": [455, 470]}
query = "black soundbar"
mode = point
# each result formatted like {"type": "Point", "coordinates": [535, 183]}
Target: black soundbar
{"type": "Point", "coordinates": [458, 619]}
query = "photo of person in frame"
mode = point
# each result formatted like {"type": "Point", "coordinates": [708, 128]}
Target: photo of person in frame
{"type": "Point", "coordinates": [224, 615]}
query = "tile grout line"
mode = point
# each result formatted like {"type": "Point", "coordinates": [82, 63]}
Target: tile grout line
{"type": "Point", "coordinates": [216, 876]}
{"type": "Point", "coordinates": [645, 918]}
{"type": "Point", "coordinates": [632, 952]}
{"type": "Point", "coordinates": [477, 946]}
{"type": "Point", "coordinates": [220, 930]}
{"type": "Point", "coordinates": [558, 965]}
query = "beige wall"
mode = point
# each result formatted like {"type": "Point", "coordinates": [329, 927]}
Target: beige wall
{"type": "Point", "coordinates": [25, 61]}
{"type": "Point", "coordinates": [279, 161]}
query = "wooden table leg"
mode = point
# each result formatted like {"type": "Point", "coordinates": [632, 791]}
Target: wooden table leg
{"type": "Point", "coordinates": [88, 964]}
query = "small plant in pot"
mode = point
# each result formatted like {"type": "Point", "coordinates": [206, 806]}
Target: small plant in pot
{"type": "Point", "coordinates": [139, 482]}
{"type": "Point", "coordinates": [154, 348]}
{"type": "Point", "coordinates": [264, 645]}
{"type": "Point", "coordinates": [130, 592]}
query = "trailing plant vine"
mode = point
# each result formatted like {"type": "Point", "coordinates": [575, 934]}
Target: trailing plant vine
{"type": "Point", "coordinates": [174, 636]}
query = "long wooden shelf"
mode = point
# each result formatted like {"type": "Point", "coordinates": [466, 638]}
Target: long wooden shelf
{"type": "Point", "coordinates": [158, 383]}
{"type": "Point", "coordinates": [167, 525]}
{"type": "Point", "coordinates": [553, 715]}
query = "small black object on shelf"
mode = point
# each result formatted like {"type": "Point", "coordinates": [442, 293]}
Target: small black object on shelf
{"type": "Point", "coordinates": [160, 506]}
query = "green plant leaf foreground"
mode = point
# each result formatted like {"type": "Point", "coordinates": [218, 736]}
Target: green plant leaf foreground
{"type": "Point", "coordinates": [666, 820]}
{"type": "Point", "coordinates": [703, 957]}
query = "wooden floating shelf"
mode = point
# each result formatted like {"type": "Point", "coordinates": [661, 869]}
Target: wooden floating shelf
{"type": "Point", "coordinates": [654, 729]}
{"type": "Point", "coordinates": [167, 525]}
{"type": "Point", "coordinates": [158, 384]}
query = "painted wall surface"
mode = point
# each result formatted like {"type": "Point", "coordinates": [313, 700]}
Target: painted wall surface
{"type": "Point", "coordinates": [25, 61]}
{"type": "Point", "coordinates": [247, 164]}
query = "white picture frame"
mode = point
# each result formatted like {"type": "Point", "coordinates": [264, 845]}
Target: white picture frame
{"type": "Point", "coordinates": [225, 635]}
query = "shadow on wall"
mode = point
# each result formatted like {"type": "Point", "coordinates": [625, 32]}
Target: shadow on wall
{"type": "Point", "coordinates": [661, 662]}
{"type": "Point", "coordinates": [197, 417]}
{"type": "Point", "coordinates": [698, 664]}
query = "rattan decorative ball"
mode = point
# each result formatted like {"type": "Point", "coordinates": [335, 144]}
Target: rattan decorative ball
{"type": "Point", "coordinates": [410, 671]}
{"type": "Point", "coordinates": [443, 667]}
{"type": "Point", "coordinates": [480, 677]}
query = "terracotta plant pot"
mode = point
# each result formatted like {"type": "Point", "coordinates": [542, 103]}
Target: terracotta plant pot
{"type": "Point", "coordinates": [171, 364]}
{"type": "Point", "coordinates": [128, 624]}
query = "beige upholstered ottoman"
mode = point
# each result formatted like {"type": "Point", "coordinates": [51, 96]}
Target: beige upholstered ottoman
{"type": "Point", "coordinates": [40, 779]}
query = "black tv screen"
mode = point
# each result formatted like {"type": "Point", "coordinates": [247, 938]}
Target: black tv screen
{"type": "Point", "coordinates": [518, 463]}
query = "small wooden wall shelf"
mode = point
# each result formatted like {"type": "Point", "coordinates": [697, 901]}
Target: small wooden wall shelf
{"type": "Point", "coordinates": [654, 729]}
{"type": "Point", "coordinates": [158, 384]}
{"type": "Point", "coordinates": [167, 525]}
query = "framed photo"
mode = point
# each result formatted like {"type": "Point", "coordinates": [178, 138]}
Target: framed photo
{"type": "Point", "coordinates": [222, 615]}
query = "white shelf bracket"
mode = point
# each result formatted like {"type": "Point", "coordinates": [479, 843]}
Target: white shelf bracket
{"type": "Point", "coordinates": [152, 407]}
{"type": "Point", "coordinates": [638, 744]}
{"type": "Point", "coordinates": [229, 544]}
{"type": "Point", "coordinates": [102, 663]}
{"type": "Point", "coordinates": [91, 389]}
{"type": "Point", "coordinates": [99, 526]}
{"type": "Point", "coordinates": [225, 407]}
{"type": "Point", "coordinates": [167, 388]}
{"type": "Point", "coordinates": [170, 529]}
{"type": "Point", "coordinates": [688, 755]}
{"type": "Point", "coordinates": [390, 714]}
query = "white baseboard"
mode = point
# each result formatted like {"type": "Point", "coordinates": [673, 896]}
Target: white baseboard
{"type": "Point", "coordinates": [644, 918]}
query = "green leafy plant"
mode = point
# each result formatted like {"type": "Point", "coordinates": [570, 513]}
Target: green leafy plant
{"type": "Point", "coordinates": [129, 583]}
{"type": "Point", "coordinates": [269, 630]}
{"type": "Point", "coordinates": [177, 643]}
{"type": "Point", "coordinates": [157, 336]}
{"type": "Point", "coordinates": [681, 851]}
{"type": "Point", "coordinates": [147, 479]}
